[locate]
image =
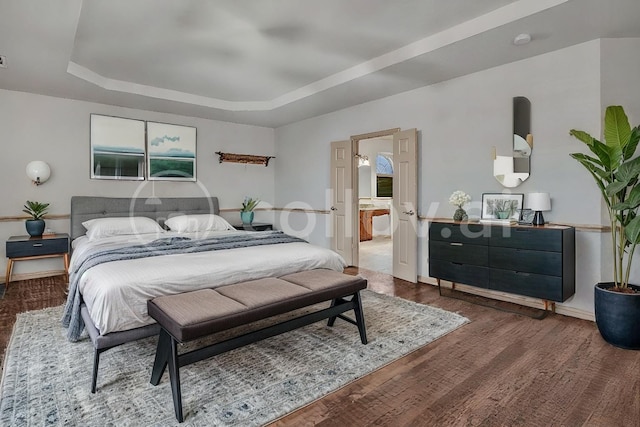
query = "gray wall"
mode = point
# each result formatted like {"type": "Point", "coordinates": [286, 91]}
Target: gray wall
{"type": "Point", "coordinates": [56, 130]}
{"type": "Point", "coordinates": [459, 121]}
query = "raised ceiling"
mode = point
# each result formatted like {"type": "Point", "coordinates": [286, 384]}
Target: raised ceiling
{"type": "Point", "coordinates": [273, 62]}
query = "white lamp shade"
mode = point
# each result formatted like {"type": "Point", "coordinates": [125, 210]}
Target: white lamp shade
{"type": "Point", "coordinates": [38, 171]}
{"type": "Point", "coordinates": [539, 201]}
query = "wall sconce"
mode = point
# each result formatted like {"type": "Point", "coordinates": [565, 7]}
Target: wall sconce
{"type": "Point", "coordinates": [539, 202]}
{"type": "Point", "coordinates": [38, 171]}
{"type": "Point", "coordinates": [362, 160]}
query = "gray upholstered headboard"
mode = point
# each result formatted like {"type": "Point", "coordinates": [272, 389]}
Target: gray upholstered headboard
{"type": "Point", "coordinates": [84, 208]}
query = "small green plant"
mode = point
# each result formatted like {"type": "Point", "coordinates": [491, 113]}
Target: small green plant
{"type": "Point", "coordinates": [36, 209]}
{"type": "Point", "coordinates": [249, 204]}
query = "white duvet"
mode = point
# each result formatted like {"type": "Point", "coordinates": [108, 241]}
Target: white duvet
{"type": "Point", "coordinates": [116, 292]}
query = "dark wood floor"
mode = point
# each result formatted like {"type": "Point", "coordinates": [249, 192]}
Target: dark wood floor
{"type": "Point", "coordinates": [502, 369]}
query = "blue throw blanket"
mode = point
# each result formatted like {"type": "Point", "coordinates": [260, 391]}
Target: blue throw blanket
{"type": "Point", "coordinates": [167, 246]}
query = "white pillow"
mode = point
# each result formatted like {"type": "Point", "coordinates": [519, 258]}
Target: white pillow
{"type": "Point", "coordinates": [194, 223]}
{"type": "Point", "coordinates": [107, 227]}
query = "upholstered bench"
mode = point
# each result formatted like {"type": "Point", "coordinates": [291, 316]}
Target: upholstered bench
{"type": "Point", "coordinates": [191, 315]}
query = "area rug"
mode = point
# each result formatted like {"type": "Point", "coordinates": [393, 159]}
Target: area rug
{"type": "Point", "coordinates": [46, 379]}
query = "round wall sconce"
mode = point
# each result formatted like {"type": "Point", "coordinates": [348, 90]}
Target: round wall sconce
{"type": "Point", "coordinates": [38, 171]}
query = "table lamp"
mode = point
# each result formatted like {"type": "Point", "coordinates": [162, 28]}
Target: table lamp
{"type": "Point", "coordinates": [539, 202]}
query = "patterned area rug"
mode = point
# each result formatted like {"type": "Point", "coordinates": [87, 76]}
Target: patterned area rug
{"type": "Point", "coordinates": [46, 379]}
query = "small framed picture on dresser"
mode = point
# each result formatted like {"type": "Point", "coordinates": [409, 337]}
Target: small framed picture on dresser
{"type": "Point", "coordinates": [500, 206]}
{"type": "Point", "coordinates": [526, 216]}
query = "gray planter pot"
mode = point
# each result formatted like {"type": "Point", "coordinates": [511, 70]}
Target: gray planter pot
{"type": "Point", "coordinates": [618, 316]}
{"type": "Point", "coordinates": [35, 227]}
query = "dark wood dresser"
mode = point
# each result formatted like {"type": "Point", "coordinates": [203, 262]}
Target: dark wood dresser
{"type": "Point", "coordinates": [535, 261]}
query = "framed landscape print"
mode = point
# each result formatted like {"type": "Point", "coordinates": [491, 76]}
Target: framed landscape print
{"type": "Point", "coordinates": [117, 148]}
{"type": "Point", "coordinates": [502, 206]}
{"type": "Point", "coordinates": [171, 152]}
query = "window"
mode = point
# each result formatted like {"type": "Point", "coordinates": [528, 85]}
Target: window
{"type": "Point", "coordinates": [384, 175]}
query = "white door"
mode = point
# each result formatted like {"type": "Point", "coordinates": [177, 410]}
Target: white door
{"type": "Point", "coordinates": [342, 199]}
{"type": "Point", "coordinates": [405, 201]}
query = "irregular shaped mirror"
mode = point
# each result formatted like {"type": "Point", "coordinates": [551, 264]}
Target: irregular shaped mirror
{"type": "Point", "coordinates": [513, 170]}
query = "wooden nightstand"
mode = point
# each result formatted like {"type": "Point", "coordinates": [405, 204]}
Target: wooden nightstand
{"type": "Point", "coordinates": [24, 248]}
{"type": "Point", "coordinates": [254, 226]}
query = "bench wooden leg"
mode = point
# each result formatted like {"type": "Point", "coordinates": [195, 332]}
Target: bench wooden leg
{"type": "Point", "coordinates": [332, 320]}
{"type": "Point", "coordinates": [174, 375]}
{"type": "Point", "coordinates": [360, 317]}
{"type": "Point", "coordinates": [162, 357]}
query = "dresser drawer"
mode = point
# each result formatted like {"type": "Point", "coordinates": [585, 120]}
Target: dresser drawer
{"type": "Point", "coordinates": [522, 260]}
{"type": "Point", "coordinates": [529, 284]}
{"type": "Point", "coordinates": [34, 247]}
{"type": "Point", "coordinates": [527, 238]}
{"type": "Point", "coordinates": [461, 253]}
{"type": "Point", "coordinates": [475, 234]}
{"type": "Point", "coordinates": [459, 273]}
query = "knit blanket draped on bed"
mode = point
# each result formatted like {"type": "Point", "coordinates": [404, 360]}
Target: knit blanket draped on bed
{"type": "Point", "coordinates": [72, 319]}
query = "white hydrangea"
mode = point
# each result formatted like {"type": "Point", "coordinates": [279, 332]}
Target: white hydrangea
{"type": "Point", "coordinates": [459, 198]}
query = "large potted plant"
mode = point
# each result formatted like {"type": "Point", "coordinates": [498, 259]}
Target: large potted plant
{"type": "Point", "coordinates": [616, 170]}
{"type": "Point", "coordinates": [35, 225]}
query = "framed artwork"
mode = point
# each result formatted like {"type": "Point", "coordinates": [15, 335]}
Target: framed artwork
{"type": "Point", "coordinates": [117, 148]}
{"type": "Point", "coordinates": [171, 152]}
{"type": "Point", "coordinates": [502, 206]}
{"type": "Point", "coordinates": [526, 216]}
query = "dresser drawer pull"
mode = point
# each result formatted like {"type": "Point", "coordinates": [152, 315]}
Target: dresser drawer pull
{"type": "Point", "coordinates": [522, 273]}
{"type": "Point", "coordinates": [455, 244]}
{"type": "Point", "coordinates": [37, 245]}
{"type": "Point", "coordinates": [457, 263]}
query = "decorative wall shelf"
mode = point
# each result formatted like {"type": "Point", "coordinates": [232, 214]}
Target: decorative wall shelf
{"type": "Point", "coordinates": [244, 158]}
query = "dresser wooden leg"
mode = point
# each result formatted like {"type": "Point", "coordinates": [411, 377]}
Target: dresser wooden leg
{"type": "Point", "coordinates": [7, 278]}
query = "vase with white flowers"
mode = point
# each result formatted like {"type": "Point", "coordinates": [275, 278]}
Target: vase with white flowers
{"type": "Point", "coordinates": [246, 213]}
{"type": "Point", "coordinates": [459, 199]}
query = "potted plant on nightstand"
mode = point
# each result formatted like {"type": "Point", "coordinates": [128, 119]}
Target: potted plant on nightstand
{"type": "Point", "coordinates": [35, 225]}
{"type": "Point", "coordinates": [246, 213]}
{"type": "Point", "coordinates": [616, 171]}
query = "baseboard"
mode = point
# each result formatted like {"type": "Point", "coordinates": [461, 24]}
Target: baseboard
{"type": "Point", "coordinates": [35, 275]}
{"type": "Point", "coordinates": [516, 299]}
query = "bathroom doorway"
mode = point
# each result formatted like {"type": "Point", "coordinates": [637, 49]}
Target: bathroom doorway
{"type": "Point", "coordinates": [375, 201]}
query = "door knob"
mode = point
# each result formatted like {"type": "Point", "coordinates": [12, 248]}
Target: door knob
{"type": "Point", "coordinates": [408, 212]}
{"type": "Point", "coordinates": [333, 208]}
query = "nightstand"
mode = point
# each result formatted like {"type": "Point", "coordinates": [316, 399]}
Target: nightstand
{"type": "Point", "coordinates": [254, 226]}
{"type": "Point", "coordinates": [25, 248]}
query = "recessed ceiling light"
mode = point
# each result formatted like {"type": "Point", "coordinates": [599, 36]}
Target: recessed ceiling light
{"type": "Point", "coordinates": [521, 39]}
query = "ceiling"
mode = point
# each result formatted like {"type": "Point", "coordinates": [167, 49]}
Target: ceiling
{"type": "Point", "coordinates": [274, 62]}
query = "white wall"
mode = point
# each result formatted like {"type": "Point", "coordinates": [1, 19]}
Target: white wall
{"type": "Point", "coordinates": [56, 130]}
{"type": "Point", "coordinates": [458, 122]}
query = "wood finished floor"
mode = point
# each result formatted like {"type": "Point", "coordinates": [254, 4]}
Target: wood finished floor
{"type": "Point", "coordinates": [502, 369]}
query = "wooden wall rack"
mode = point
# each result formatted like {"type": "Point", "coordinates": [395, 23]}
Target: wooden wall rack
{"type": "Point", "coordinates": [244, 158]}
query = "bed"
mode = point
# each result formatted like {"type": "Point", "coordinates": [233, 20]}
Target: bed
{"type": "Point", "coordinates": [109, 299]}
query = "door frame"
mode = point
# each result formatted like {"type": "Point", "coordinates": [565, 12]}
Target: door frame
{"type": "Point", "coordinates": [355, 143]}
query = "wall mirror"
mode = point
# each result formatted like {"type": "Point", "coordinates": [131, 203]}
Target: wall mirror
{"type": "Point", "coordinates": [513, 170]}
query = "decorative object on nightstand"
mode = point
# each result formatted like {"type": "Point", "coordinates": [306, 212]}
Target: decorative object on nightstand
{"type": "Point", "coordinates": [35, 225]}
{"type": "Point", "coordinates": [38, 171]}
{"type": "Point", "coordinates": [246, 213]}
{"type": "Point", "coordinates": [254, 226]}
{"type": "Point", "coordinates": [538, 202]}
{"type": "Point", "coordinates": [24, 248]}
{"type": "Point", "coordinates": [459, 199]}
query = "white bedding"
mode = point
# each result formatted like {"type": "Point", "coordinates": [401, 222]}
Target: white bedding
{"type": "Point", "coordinates": [116, 292]}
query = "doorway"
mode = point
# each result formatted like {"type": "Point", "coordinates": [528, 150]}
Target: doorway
{"type": "Point", "coordinates": [345, 209]}
{"type": "Point", "coordinates": [375, 201]}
